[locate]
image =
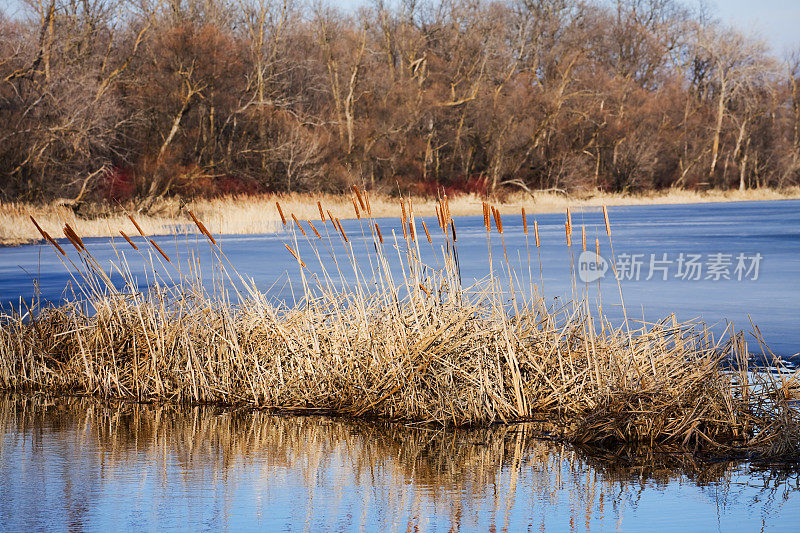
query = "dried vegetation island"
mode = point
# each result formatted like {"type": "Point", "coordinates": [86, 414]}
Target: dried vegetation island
{"type": "Point", "coordinates": [400, 340]}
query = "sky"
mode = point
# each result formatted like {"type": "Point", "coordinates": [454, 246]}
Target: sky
{"type": "Point", "coordinates": [775, 21]}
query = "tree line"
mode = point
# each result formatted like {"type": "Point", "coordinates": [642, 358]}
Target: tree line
{"type": "Point", "coordinates": [122, 100]}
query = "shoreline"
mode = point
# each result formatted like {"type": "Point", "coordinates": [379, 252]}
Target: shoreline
{"type": "Point", "coordinates": [258, 214]}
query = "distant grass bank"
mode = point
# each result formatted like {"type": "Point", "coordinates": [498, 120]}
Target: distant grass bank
{"type": "Point", "coordinates": [258, 214]}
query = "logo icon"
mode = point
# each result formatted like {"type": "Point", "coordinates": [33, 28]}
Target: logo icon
{"type": "Point", "coordinates": [591, 267]}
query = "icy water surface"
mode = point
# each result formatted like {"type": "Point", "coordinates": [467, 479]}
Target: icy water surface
{"type": "Point", "coordinates": [83, 465]}
{"type": "Point", "coordinates": [723, 263]}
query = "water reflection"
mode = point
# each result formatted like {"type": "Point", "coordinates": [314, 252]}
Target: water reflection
{"type": "Point", "coordinates": [78, 464]}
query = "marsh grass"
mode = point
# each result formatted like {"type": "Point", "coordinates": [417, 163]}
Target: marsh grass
{"type": "Point", "coordinates": [405, 342]}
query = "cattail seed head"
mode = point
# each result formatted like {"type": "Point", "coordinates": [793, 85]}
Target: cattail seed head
{"type": "Point", "coordinates": [583, 236]}
{"type": "Point", "coordinates": [297, 257]}
{"type": "Point", "coordinates": [524, 222]}
{"type": "Point", "coordinates": [136, 225]}
{"type": "Point", "coordinates": [321, 213]}
{"type": "Point", "coordinates": [378, 231]}
{"type": "Point", "coordinates": [128, 239]}
{"type": "Point", "coordinates": [341, 229]}
{"type": "Point", "coordinates": [498, 222]}
{"type": "Point", "coordinates": [47, 237]}
{"type": "Point", "coordinates": [298, 225]}
{"type": "Point", "coordinates": [355, 208]}
{"type": "Point", "coordinates": [73, 237]}
{"type": "Point", "coordinates": [280, 212]}
{"type": "Point", "coordinates": [486, 223]}
{"type": "Point", "coordinates": [314, 229]}
{"type": "Point", "coordinates": [536, 231]}
{"type": "Point", "coordinates": [360, 200]}
{"type": "Point", "coordinates": [427, 234]}
{"type": "Point", "coordinates": [157, 247]}
{"type": "Point", "coordinates": [201, 227]}
{"type": "Point", "coordinates": [608, 223]}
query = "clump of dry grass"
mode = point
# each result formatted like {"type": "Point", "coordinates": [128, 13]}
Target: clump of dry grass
{"type": "Point", "coordinates": [257, 214]}
{"type": "Point", "coordinates": [408, 343]}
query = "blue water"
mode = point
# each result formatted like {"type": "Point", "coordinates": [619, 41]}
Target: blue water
{"type": "Point", "coordinates": [770, 230]}
{"type": "Point", "coordinates": [83, 465]}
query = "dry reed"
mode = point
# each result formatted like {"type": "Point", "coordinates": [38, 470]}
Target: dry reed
{"type": "Point", "coordinates": [423, 348]}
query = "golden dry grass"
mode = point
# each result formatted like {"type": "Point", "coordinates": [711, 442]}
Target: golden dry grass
{"type": "Point", "coordinates": [408, 343]}
{"type": "Point", "coordinates": [257, 214]}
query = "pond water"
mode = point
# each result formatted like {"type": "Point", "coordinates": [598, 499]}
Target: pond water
{"type": "Point", "coordinates": [723, 263]}
{"type": "Point", "coordinates": [74, 464]}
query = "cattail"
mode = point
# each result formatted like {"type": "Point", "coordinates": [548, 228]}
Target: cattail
{"type": "Point", "coordinates": [536, 231]}
{"type": "Point", "coordinates": [297, 257]}
{"type": "Point", "coordinates": [136, 225]}
{"type": "Point", "coordinates": [53, 242]}
{"type": "Point", "coordinates": [313, 228]}
{"type": "Point", "coordinates": [524, 222]}
{"type": "Point", "coordinates": [369, 207]}
{"type": "Point", "coordinates": [47, 236]}
{"type": "Point", "coordinates": [403, 209]}
{"type": "Point", "coordinates": [597, 246]}
{"type": "Point", "coordinates": [411, 230]}
{"type": "Point", "coordinates": [498, 222]}
{"type": "Point", "coordinates": [446, 204]}
{"type": "Point", "coordinates": [583, 236]}
{"type": "Point", "coordinates": [569, 221]}
{"type": "Point", "coordinates": [453, 227]}
{"type": "Point", "coordinates": [201, 227]}
{"type": "Point", "coordinates": [439, 217]}
{"type": "Point", "coordinates": [298, 225]}
{"type": "Point", "coordinates": [129, 240]}
{"type": "Point", "coordinates": [486, 221]}
{"type": "Point", "coordinates": [280, 212]}
{"type": "Point", "coordinates": [608, 223]}
{"type": "Point", "coordinates": [427, 234]}
{"type": "Point", "coordinates": [568, 233]}
{"type": "Point", "coordinates": [331, 218]}
{"type": "Point", "coordinates": [321, 213]}
{"type": "Point", "coordinates": [157, 247]}
{"type": "Point", "coordinates": [360, 200]}
{"type": "Point", "coordinates": [38, 227]}
{"type": "Point", "coordinates": [355, 208]}
{"type": "Point", "coordinates": [342, 230]}
{"type": "Point", "coordinates": [378, 231]}
{"type": "Point", "coordinates": [422, 287]}
{"type": "Point", "coordinates": [72, 236]}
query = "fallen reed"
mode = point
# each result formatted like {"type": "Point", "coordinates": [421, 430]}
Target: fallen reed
{"type": "Point", "coordinates": [399, 339]}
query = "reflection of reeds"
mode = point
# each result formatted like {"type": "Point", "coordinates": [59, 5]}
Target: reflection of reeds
{"type": "Point", "coordinates": [422, 349]}
{"type": "Point", "coordinates": [472, 474]}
